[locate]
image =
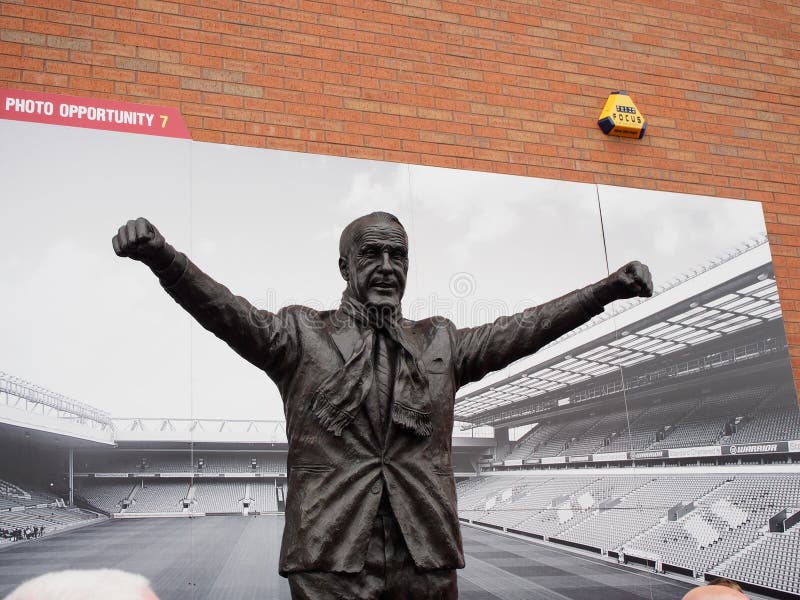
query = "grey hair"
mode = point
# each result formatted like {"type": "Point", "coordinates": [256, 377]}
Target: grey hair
{"type": "Point", "coordinates": [100, 584]}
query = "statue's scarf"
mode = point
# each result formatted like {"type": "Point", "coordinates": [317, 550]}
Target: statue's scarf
{"type": "Point", "coordinates": [339, 398]}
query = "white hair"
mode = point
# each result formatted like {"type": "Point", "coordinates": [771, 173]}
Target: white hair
{"type": "Point", "coordinates": [100, 584]}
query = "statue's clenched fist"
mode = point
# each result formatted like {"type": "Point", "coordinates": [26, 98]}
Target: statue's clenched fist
{"type": "Point", "coordinates": [631, 280]}
{"type": "Point", "coordinates": [141, 241]}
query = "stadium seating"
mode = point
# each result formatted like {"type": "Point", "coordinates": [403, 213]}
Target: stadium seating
{"type": "Point", "coordinates": [218, 496]}
{"type": "Point", "coordinates": [581, 504]}
{"type": "Point", "coordinates": [705, 423]}
{"type": "Point", "coordinates": [594, 438]}
{"type": "Point", "coordinates": [263, 495]}
{"type": "Point", "coordinates": [27, 508]}
{"type": "Point", "coordinates": [159, 497]}
{"type": "Point", "coordinates": [759, 413]}
{"type": "Point", "coordinates": [638, 511]}
{"type": "Point", "coordinates": [528, 443]}
{"type": "Point", "coordinates": [723, 530]}
{"type": "Point", "coordinates": [475, 495]}
{"type": "Point", "coordinates": [12, 490]}
{"type": "Point", "coordinates": [14, 496]}
{"type": "Point", "coordinates": [569, 432]}
{"type": "Point", "coordinates": [107, 497]}
{"type": "Point", "coordinates": [770, 562]}
{"type": "Point", "coordinates": [772, 425]}
{"type": "Point", "coordinates": [648, 424]}
{"type": "Point", "coordinates": [181, 462]}
{"type": "Point", "coordinates": [734, 514]}
{"type": "Point", "coordinates": [52, 517]}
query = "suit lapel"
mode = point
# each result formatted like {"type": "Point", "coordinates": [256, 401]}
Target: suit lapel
{"type": "Point", "coordinates": [346, 336]}
{"type": "Point", "coordinates": [345, 341]}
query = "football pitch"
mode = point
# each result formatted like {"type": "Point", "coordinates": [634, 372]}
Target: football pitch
{"type": "Point", "coordinates": [236, 558]}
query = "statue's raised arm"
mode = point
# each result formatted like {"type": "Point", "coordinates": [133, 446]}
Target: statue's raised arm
{"type": "Point", "coordinates": [480, 350]}
{"type": "Point", "coordinates": [259, 336]}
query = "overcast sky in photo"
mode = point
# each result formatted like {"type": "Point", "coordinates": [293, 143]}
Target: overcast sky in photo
{"type": "Point", "coordinates": [80, 321]}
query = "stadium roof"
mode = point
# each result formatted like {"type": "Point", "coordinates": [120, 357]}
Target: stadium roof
{"type": "Point", "coordinates": [728, 294]}
{"type": "Point", "coordinates": [199, 430]}
{"type": "Point", "coordinates": [29, 406]}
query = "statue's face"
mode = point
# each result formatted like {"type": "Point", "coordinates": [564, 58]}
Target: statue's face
{"type": "Point", "coordinates": [376, 266]}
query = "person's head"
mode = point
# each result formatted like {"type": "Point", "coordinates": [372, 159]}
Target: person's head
{"type": "Point", "coordinates": [717, 589]}
{"type": "Point", "coordinates": [373, 259]}
{"type": "Point", "coordinates": [98, 584]}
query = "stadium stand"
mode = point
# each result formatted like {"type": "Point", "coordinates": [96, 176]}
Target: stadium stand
{"type": "Point", "coordinates": [600, 432]}
{"type": "Point", "coordinates": [241, 463]}
{"type": "Point", "coordinates": [31, 513]}
{"type": "Point", "coordinates": [758, 413]}
{"type": "Point", "coordinates": [218, 496]}
{"type": "Point", "coordinates": [771, 562]}
{"type": "Point", "coordinates": [11, 490]}
{"type": "Point", "coordinates": [473, 494]}
{"type": "Point", "coordinates": [263, 494]}
{"type": "Point", "coordinates": [531, 440]}
{"type": "Point", "coordinates": [638, 511]}
{"type": "Point", "coordinates": [721, 529]}
{"type": "Point", "coordinates": [181, 462]}
{"type": "Point", "coordinates": [705, 424]}
{"type": "Point", "coordinates": [577, 507]}
{"type": "Point", "coordinates": [774, 418]}
{"type": "Point", "coordinates": [107, 497]}
{"type": "Point", "coordinates": [160, 497]}
{"type": "Point", "coordinates": [53, 518]}
{"type": "Point", "coordinates": [647, 425]}
{"type": "Point", "coordinates": [723, 522]}
{"type": "Point", "coordinates": [12, 496]}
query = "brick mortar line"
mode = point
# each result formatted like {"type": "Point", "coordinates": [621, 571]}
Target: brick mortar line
{"type": "Point", "coordinates": [579, 9]}
{"type": "Point", "coordinates": [705, 40]}
{"type": "Point", "coordinates": [445, 53]}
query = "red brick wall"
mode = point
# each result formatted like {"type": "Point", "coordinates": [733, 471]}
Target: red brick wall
{"type": "Point", "coordinates": [503, 86]}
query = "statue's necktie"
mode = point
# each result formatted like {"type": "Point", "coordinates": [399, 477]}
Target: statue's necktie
{"type": "Point", "coordinates": [384, 383]}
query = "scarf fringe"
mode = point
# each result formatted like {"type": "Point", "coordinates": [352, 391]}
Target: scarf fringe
{"type": "Point", "coordinates": [332, 418]}
{"type": "Point", "coordinates": [419, 422]}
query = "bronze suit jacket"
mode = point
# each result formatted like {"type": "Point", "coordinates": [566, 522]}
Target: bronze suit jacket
{"type": "Point", "coordinates": [335, 483]}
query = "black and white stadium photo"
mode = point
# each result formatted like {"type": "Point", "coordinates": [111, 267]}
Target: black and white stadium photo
{"type": "Point", "coordinates": [238, 373]}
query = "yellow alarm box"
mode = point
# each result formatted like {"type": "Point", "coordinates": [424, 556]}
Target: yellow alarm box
{"type": "Point", "coordinates": [621, 117]}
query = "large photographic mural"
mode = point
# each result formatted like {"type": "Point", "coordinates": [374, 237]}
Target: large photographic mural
{"type": "Point", "coordinates": [692, 381]}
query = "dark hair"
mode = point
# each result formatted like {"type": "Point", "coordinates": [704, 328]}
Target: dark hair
{"type": "Point", "coordinates": [725, 583]}
{"type": "Point", "coordinates": [349, 233]}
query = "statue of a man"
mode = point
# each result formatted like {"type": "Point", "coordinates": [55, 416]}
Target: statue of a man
{"type": "Point", "coordinates": [368, 397]}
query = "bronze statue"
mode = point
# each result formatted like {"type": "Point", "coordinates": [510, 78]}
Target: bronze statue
{"type": "Point", "coordinates": [368, 398]}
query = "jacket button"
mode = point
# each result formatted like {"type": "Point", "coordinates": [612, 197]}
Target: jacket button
{"type": "Point", "coordinates": [386, 460]}
{"type": "Point", "coordinates": [376, 489]}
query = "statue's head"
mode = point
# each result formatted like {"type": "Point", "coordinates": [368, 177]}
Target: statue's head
{"type": "Point", "coordinates": [373, 259]}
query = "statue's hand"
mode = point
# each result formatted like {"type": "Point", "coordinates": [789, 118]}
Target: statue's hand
{"type": "Point", "coordinates": [141, 241]}
{"type": "Point", "coordinates": [631, 280]}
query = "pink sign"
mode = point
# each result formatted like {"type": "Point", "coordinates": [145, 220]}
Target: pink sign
{"type": "Point", "coordinates": [91, 113]}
